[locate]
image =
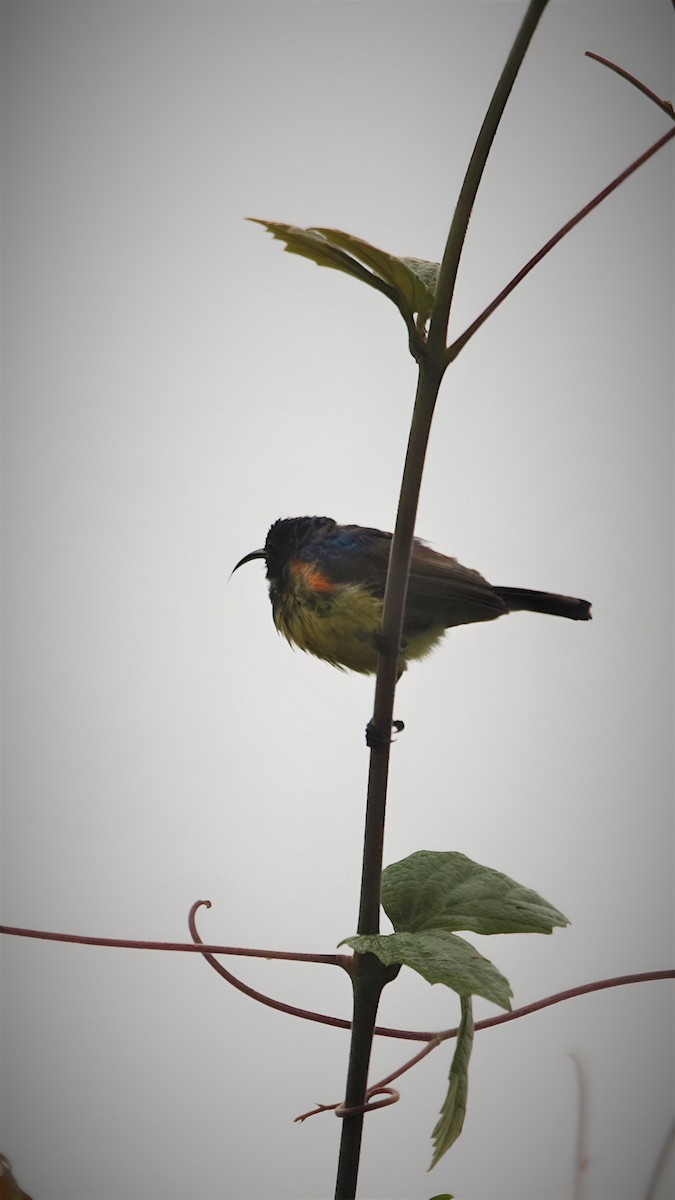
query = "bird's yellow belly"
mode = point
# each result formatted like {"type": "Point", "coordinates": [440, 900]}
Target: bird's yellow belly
{"type": "Point", "coordinates": [342, 629]}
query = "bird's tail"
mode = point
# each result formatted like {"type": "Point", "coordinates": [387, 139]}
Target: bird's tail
{"type": "Point", "coordinates": [519, 599]}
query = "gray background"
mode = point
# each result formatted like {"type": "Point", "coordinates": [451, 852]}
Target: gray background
{"type": "Point", "coordinates": [172, 384]}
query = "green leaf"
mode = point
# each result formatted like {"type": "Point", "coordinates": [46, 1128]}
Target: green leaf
{"type": "Point", "coordinates": [311, 243]}
{"type": "Point", "coordinates": [414, 279]}
{"type": "Point", "coordinates": [410, 283]}
{"type": "Point", "coordinates": [451, 1120]}
{"type": "Point", "coordinates": [444, 890]}
{"type": "Point", "coordinates": [426, 277]}
{"type": "Point", "coordinates": [439, 957]}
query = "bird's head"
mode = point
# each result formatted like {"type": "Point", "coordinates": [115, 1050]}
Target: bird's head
{"type": "Point", "coordinates": [286, 539]}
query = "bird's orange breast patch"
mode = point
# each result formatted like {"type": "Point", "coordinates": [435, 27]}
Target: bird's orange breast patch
{"type": "Point", "coordinates": [311, 576]}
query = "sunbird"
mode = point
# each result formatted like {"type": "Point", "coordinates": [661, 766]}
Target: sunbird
{"type": "Point", "coordinates": [326, 585]}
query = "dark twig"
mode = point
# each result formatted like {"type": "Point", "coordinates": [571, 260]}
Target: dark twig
{"type": "Point", "coordinates": [333, 960]}
{"type": "Point", "coordinates": [665, 105]}
{"type": "Point", "coordinates": [341, 960]}
{"type": "Point", "coordinates": [340, 1110]}
{"type": "Point", "coordinates": [367, 977]}
{"type": "Point", "coordinates": [434, 1040]}
{"type": "Point", "coordinates": [461, 341]}
{"type": "Point", "coordinates": [584, 989]}
{"type": "Point", "coordinates": [252, 993]}
{"type": "Point", "coordinates": [359, 1109]}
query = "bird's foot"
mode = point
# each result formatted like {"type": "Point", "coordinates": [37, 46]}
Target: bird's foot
{"type": "Point", "coordinates": [383, 643]}
{"type": "Point", "coordinates": [376, 738]}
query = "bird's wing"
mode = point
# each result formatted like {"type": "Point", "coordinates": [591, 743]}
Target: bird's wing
{"type": "Point", "coordinates": [443, 592]}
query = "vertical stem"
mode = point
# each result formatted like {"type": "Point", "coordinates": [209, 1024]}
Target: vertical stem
{"type": "Point", "coordinates": [368, 980]}
{"type": "Point", "coordinates": [438, 329]}
{"type": "Point", "coordinates": [432, 367]}
{"type": "Point", "coordinates": [428, 384]}
{"type": "Point", "coordinates": [369, 976]}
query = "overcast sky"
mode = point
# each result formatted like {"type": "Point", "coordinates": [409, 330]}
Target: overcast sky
{"type": "Point", "coordinates": [173, 383]}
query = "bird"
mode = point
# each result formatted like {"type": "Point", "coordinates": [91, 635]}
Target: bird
{"type": "Point", "coordinates": [326, 585]}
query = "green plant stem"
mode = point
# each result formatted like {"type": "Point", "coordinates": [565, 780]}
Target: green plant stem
{"type": "Point", "coordinates": [431, 370]}
{"type": "Point", "coordinates": [428, 384]}
{"type": "Point", "coordinates": [438, 329]}
{"type": "Point", "coordinates": [367, 982]}
{"type": "Point", "coordinates": [369, 977]}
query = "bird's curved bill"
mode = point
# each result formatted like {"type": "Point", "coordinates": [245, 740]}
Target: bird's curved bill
{"type": "Point", "coordinates": [247, 558]}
